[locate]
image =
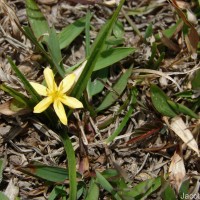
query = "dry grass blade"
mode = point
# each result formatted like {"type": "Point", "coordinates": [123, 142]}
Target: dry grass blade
{"type": "Point", "coordinates": [192, 38]}
{"type": "Point", "coordinates": [162, 74]}
{"type": "Point", "coordinates": [177, 170]}
{"type": "Point", "coordinates": [12, 190]}
{"type": "Point", "coordinates": [179, 127]}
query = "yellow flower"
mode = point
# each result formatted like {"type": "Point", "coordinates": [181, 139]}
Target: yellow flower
{"type": "Point", "coordinates": [56, 95]}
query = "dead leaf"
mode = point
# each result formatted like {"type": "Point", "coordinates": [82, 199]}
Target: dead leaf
{"type": "Point", "coordinates": [10, 109]}
{"type": "Point", "coordinates": [12, 191]}
{"type": "Point", "coordinates": [193, 38]}
{"type": "Point", "coordinates": [179, 127]}
{"type": "Point", "coordinates": [169, 43]}
{"type": "Point", "coordinates": [177, 170]}
{"type": "Point", "coordinates": [84, 165]}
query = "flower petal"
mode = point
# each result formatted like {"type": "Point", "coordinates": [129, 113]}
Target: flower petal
{"type": "Point", "coordinates": [60, 111]}
{"type": "Point", "coordinates": [67, 83]}
{"type": "Point", "coordinates": [40, 89]}
{"type": "Point", "coordinates": [49, 78]}
{"type": "Point", "coordinates": [71, 102]}
{"type": "Point", "coordinates": [43, 105]}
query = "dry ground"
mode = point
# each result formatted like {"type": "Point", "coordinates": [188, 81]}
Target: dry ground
{"type": "Point", "coordinates": [25, 139]}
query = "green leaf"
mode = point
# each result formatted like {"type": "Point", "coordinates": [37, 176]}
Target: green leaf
{"type": "Point", "coordinates": [170, 31]}
{"type": "Point", "coordinates": [121, 125]}
{"type": "Point", "coordinates": [71, 160]}
{"type": "Point", "coordinates": [149, 31]}
{"type": "Point", "coordinates": [168, 193]}
{"type": "Point", "coordinates": [113, 41]}
{"type": "Point", "coordinates": [93, 192]}
{"type": "Point", "coordinates": [69, 33]}
{"type": "Point", "coordinates": [36, 19]}
{"type": "Point", "coordinates": [108, 173]}
{"type": "Point", "coordinates": [3, 196]}
{"type": "Point", "coordinates": [54, 50]}
{"type": "Point", "coordinates": [81, 189]}
{"type": "Point", "coordinates": [96, 86]}
{"type": "Point", "coordinates": [159, 100]}
{"type": "Point", "coordinates": [118, 29]}
{"type": "Point", "coordinates": [118, 88]}
{"type": "Point", "coordinates": [57, 192]}
{"type": "Point", "coordinates": [153, 55]}
{"type": "Point", "coordinates": [107, 186]}
{"type": "Point", "coordinates": [159, 60]}
{"type": "Point", "coordinates": [144, 189]}
{"type": "Point", "coordinates": [87, 33]}
{"type": "Point", "coordinates": [184, 188]}
{"type": "Point", "coordinates": [48, 173]}
{"type": "Point", "coordinates": [96, 50]}
{"type": "Point", "coordinates": [17, 106]}
{"type": "Point", "coordinates": [180, 108]}
{"type": "Point", "coordinates": [28, 32]}
{"type": "Point", "coordinates": [30, 35]}
{"type": "Point", "coordinates": [195, 81]}
{"type": "Point", "coordinates": [16, 95]}
{"type": "Point", "coordinates": [112, 56]}
{"type": "Point", "coordinates": [51, 116]}
{"type": "Point", "coordinates": [35, 96]}
{"type": "Point", "coordinates": [185, 94]}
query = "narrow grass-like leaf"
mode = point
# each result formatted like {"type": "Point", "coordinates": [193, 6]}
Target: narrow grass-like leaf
{"type": "Point", "coordinates": [113, 41]}
{"type": "Point", "coordinates": [3, 196]}
{"type": "Point", "coordinates": [96, 86]}
{"type": "Point", "coordinates": [16, 95]}
{"type": "Point", "coordinates": [45, 172]}
{"type": "Point", "coordinates": [55, 53]}
{"type": "Point", "coordinates": [57, 192]}
{"type": "Point", "coordinates": [109, 173]}
{"type": "Point", "coordinates": [96, 50]}
{"type": "Point", "coordinates": [118, 29]}
{"type": "Point", "coordinates": [180, 108]}
{"type": "Point", "coordinates": [93, 192]}
{"type": "Point", "coordinates": [87, 33]}
{"type": "Point", "coordinates": [36, 19]}
{"type": "Point", "coordinates": [121, 125]}
{"type": "Point", "coordinates": [170, 31]}
{"type": "Point", "coordinates": [185, 94]}
{"type": "Point", "coordinates": [195, 81]}
{"type": "Point", "coordinates": [81, 191]}
{"type": "Point", "coordinates": [159, 60]}
{"type": "Point", "coordinates": [29, 34]}
{"type": "Point", "coordinates": [118, 88]}
{"type": "Point", "coordinates": [107, 186]}
{"type": "Point", "coordinates": [112, 56]}
{"type": "Point", "coordinates": [184, 188]}
{"type": "Point", "coordinates": [71, 160]}
{"type": "Point", "coordinates": [168, 193]}
{"type": "Point", "coordinates": [144, 189]}
{"type": "Point", "coordinates": [36, 98]}
{"type": "Point", "coordinates": [152, 57]}
{"type": "Point", "coordinates": [149, 31]}
{"type": "Point", "coordinates": [69, 33]}
{"type": "Point", "coordinates": [159, 100]}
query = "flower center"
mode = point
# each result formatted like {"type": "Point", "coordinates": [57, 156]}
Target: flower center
{"type": "Point", "coordinates": [55, 94]}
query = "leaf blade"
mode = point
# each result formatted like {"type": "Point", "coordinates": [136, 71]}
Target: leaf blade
{"type": "Point", "coordinates": [119, 87]}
